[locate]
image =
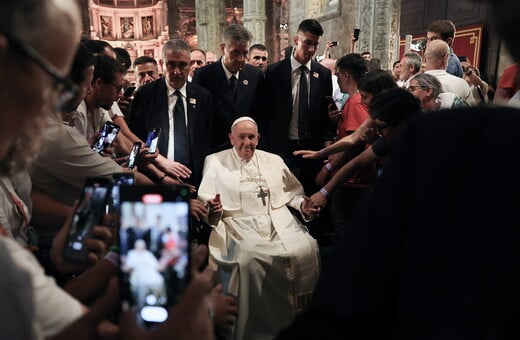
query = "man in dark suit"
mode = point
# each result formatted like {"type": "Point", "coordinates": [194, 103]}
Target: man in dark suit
{"type": "Point", "coordinates": [297, 116]}
{"type": "Point", "coordinates": [235, 85]}
{"type": "Point", "coordinates": [179, 108]}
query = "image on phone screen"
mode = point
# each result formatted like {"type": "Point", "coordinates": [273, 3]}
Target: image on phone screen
{"type": "Point", "coordinates": [89, 212]}
{"type": "Point", "coordinates": [154, 249]}
{"type": "Point", "coordinates": [133, 154]}
{"type": "Point", "coordinates": [152, 139]}
{"type": "Point", "coordinates": [106, 136]}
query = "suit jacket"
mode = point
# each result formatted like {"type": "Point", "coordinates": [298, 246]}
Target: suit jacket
{"type": "Point", "coordinates": [150, 110]}
{"type": "Point", "coordinates": [226, 108]}
{"type": "Point", "coordinates": [279, 106]}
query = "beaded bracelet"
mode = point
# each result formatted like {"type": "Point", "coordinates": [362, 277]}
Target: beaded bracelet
{"type": "Point", "coordinates": [328, 167]}
{"type": "Point", "coordinates": [324, 192]}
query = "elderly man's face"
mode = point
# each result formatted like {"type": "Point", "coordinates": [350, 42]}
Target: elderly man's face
{"type": "Point", "coordinates": [244, 138]}
{"type": "Point", "coordinates": [177, 67]}
{"type": "Point", "coordinates": [30, 95]}
{"type": "Point", "coordinates": [234, 55]}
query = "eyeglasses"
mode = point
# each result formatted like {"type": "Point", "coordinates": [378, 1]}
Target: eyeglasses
{"type": "Point", "coordinates": [65, 87]}
{"type": "Point", "coordinates": [412, 88]}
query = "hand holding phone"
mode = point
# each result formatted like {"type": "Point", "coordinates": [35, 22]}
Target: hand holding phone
{"type": "Point", "coordinates": [106, 136]}
{"type": "Point", "coordinates": [154, 243]}
{"type": "Point", "coordinates": [356, 34]}
{"type": "Point", "coordinates": [331, 103]}
{"type": "Point", "coordinates": [89, 212]}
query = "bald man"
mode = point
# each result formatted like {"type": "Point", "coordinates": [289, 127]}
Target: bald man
{"type": "Point", "coordinates": [436, 55]}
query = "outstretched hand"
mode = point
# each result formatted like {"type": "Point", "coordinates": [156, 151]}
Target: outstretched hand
{"type": "Point", "coordinates": [309, 208]}
{"type": "Point", "coordinates": [308, 154]}
{"type": "Point", "coordinates": [215, 209]}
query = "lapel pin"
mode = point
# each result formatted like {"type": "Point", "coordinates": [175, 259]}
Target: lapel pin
{"type": "Point", "coordinates": [316, 75]}
{"type": "Point", "coordinates": [245, 82]}
{"type": "Point", "coordinates": [193, 101]}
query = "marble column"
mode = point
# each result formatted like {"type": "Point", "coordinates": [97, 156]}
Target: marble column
{"type": "Point", "coordinates": [211, 20]}
{"type": "Point", "coordinates": [379, 23]}
{"type": "Point", "coordinates": [254, 19]}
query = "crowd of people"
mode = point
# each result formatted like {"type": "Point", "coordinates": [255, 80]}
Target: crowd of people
{"type": "Point", "coordinates": [406, 167]}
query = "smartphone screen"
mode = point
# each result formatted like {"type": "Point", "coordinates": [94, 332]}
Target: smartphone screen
{"type": "Point", "coordinates": [107, 135]}
{"type": "Point", "coordinates": [118, 180]}
{"type": "Point", "coordinates": [89, 212]}
{"type": "Point", "coordinates": [154, 249]}
{"type": "Point", "coordinates": [152, 139]}
{"type": "Point", "coordinates": [133, 154]}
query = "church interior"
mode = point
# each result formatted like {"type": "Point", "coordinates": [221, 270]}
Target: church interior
{"type": "Point", "coordinates": [388, 28]}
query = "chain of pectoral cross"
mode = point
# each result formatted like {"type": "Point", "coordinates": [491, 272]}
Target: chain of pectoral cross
{"type": "Point", "coordinates": [262, 194]}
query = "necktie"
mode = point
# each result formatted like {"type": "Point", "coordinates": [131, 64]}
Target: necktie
{"type": "Point", "coordinates": [233, 85]}
{"type": "Point", "coordinates": [180, 142]}
{"type": "Point", "coordinates": [303, 107]}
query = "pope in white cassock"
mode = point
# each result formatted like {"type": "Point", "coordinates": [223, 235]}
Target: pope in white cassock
{"type": "Point", "coordinates": [262, 254]}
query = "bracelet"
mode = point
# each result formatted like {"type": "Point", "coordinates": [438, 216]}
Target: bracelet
{"type": "Point", "coordinates": [324, 192]}
{"type": "Point", "coordinates": [112, 257]}
{"type": "Point", "coordinates": [328, 167]}
{"type": "Point", "coordinates": [322, 152]}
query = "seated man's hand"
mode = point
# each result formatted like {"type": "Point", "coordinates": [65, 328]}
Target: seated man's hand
{"type": "Point", "coordinates": [97, 243]}
{"type": "Point", "coordinates": [309, 208]}
{"type": "Point", "coordinates": [225, 307]}
{"type": "Point", "coordinates": [214, 206]}
{"type": "Point", "coordinates": [198, 210]}
{"type": "Point", "coordinates": [317, 200]}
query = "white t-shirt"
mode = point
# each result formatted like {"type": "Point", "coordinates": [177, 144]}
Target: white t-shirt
{"type": "Point", "coordinates": [33, 306]}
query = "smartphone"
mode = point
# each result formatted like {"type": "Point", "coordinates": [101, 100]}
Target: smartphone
{"type": "Point", "coordinates": [334, 43]}
{"type": "Point", "coordinates": [463, 58]}
{"type": "Point", "coordinates": [152, 139]}
{"type": "Point", "coordinates": [356, 34]}
{"type": "Point", "coordinates": [93, 205]}
{"type": "Point", "coordinates": [133, 154]}
{"type": "Point", "coordinates": [106, 136]}
{"type": "Point", "coordinates": [331, 101]}
{"type": "Point", "coordinates": [129, 91]}
{"type": "Point", "coordinates": [154, 249]}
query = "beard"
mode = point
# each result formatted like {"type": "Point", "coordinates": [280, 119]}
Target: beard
{"type": "Point", "coordinates": [22, 152]}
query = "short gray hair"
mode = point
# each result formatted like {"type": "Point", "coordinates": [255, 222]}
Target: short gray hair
{"type": "Point", "coordinates": [175, 45]}
{"type": "Point", "coordinates": [413, 60]}
{"type": "Point", "coordinates": [428, 81]}
{"type": "Point", "coordinates": [237, 33]}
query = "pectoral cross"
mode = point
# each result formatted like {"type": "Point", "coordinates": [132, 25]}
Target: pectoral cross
{"type": "Point", "coordinates": [262, 195]}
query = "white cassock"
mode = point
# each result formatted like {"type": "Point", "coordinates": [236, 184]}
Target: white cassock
{"type": "Point", "coordinates": [263, 255]}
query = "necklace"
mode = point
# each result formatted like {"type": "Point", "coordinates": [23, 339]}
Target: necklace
{"type": "Point", "coordinates": [262, 194]}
